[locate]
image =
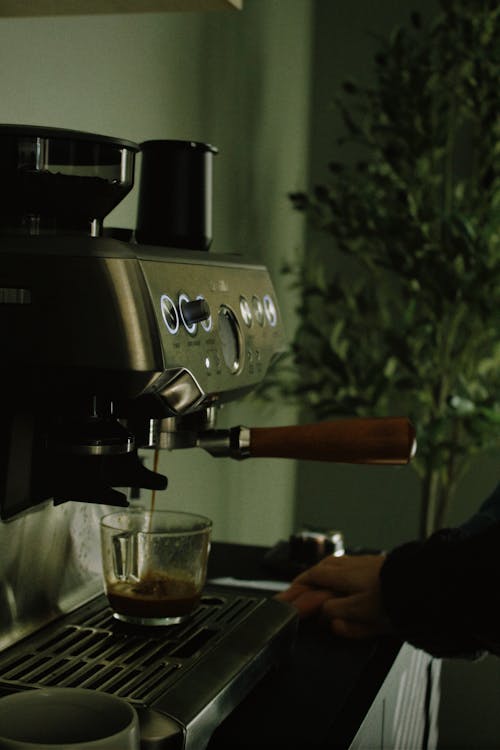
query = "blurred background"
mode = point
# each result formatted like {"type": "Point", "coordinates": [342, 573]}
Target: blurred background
{"type": "Point", "coordinates": [258, 84]}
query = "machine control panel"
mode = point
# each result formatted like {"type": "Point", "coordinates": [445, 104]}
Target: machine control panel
{"type": "Point", "coordinates": [189, 312]}
{"type": "Point", "coordinates": [155, 316]}
{"type": "Point", "coordinates": [219, 321]}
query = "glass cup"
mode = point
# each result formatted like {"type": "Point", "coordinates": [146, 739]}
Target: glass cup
{"type": "Point", "coordinates": [154, 564]}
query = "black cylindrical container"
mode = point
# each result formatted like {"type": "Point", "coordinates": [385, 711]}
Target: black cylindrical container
{"type": "Point", "coordinates": [175, 194]}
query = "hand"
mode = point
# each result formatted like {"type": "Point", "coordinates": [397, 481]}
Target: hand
{"type": "Point", "coordinates": [345, 590]}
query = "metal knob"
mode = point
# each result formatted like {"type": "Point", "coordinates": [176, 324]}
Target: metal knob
{"type": "Point", "coordinates": [195, 310]}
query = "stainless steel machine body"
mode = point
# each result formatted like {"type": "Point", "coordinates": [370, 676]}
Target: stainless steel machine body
{"type": "Point", "coordinates": [108, 346]}
{"type": "Point", "coordinates": [100, 340]}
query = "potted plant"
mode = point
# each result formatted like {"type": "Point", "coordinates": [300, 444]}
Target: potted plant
{"type": "Point", "coordinates": [400, 308]}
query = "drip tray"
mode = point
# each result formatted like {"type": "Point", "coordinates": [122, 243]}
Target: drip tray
{"type": "Point", "coordinates": [183, 679]}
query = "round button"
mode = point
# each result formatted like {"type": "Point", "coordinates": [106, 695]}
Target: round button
{"type": "Point", "coordinates": [246, 311]}
{"type": "Point", "coordinates": [229, 335]}
{"type": "Point", "coordinates": [258, 309]}
{"type": "Point", "coordinates": [169, 314]}
{"type": "Point", "coordinates": [270, 311]}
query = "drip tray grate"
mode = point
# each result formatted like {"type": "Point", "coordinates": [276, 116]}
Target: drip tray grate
{"type": "Point", "coordinates": [90, 649]}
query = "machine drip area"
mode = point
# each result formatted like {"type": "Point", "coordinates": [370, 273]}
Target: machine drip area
{"type": "Point", "coordinates": [182, 683]}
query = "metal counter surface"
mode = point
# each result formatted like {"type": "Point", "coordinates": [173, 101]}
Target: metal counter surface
{"type": "Point", "coordinates": [319, 699]}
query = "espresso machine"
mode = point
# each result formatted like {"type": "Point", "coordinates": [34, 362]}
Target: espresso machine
{"type": "Point", "coordinates": [113, 341]}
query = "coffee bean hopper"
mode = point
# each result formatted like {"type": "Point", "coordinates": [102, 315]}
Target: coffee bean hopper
{"type": "Point", "coordinates": [110, 346]}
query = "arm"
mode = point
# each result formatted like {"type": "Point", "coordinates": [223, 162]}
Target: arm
{"type": "Point", "coordinates": [442, 595]}
{"type": "Point", "coordinates": [487, 514]}
{"type": "Point", "coordinates": [346, 591]}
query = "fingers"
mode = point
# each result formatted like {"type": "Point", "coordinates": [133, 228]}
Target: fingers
{"type": "Point", "coordinates": [344, 575]}
{"type": "Point", "coordinates": [356, 616]}
{"type": "Point", "coordinates": [306, 600]}
{"type": "Point", "coordinates": [345, 591]}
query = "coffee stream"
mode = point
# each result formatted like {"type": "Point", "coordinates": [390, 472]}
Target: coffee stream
{"type": "Point", "coordinates": [156, 595]}
{"type": "Point", "coordinates": [153, 492]}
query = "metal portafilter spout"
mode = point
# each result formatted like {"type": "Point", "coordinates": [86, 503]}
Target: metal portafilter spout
{"type": "Point", "coordinates": [90, 453]}
{"type": "Point", "coordinates": [375, 441]}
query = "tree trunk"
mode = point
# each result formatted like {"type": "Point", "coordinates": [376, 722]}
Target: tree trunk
{"type": "Point", "coordinates": [436, 494]}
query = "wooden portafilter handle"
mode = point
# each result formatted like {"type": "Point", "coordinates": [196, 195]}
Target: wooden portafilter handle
{"type": "Point", "coordinates": [375, 440]}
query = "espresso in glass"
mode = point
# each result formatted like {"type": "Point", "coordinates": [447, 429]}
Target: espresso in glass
{"type": "Point", "coordinates": [154, 564]}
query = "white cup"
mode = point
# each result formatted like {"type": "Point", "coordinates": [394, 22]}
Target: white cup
{"type": "Point", "coordinates": [67, 719]}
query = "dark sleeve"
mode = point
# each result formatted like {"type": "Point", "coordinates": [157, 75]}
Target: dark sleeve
{"type": "Point", "coordinates": [443, 595]}
{"type": "Point", "coordinates": [487, 514]}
